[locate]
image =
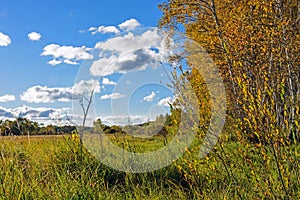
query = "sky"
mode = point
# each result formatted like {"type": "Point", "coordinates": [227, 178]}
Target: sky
{"type": "Point", "coordinates": [53, 53]}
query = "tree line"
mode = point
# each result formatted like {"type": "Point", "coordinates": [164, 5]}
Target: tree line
{"type": "Point", "coordinates": [23, 126]}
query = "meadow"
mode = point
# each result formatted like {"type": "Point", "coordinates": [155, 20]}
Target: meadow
{"type": "Point", "coordinates": [56, 167]}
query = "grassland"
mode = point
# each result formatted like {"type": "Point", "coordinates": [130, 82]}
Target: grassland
{"type": "Point", "coordinates": [54, 168]}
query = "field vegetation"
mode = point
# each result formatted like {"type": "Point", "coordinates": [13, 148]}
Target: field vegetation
{"type": "Point", "coordinates": [255, 47]}
{"type": "Point", "coordinates": [52, 167]}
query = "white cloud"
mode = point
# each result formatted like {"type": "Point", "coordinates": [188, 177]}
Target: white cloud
{"type": "Point", "coordinates": [48, 115]}
{"type": "Point", "coordinates": [129, 25]}
{"type": "Point", "coordinates": [69, 53]}
{"type": "Point", "coordinates": [4, 40]}
{"type": "Point", "coordinates": [106, 81]}
{"type": "Point", "coordinates": [104, 29]}
{"type": "Point", "coordinates": [54, 62]}
{"type": "Point", "coordinates": [112, 96]}
{"type": "Point", "coordinates": [129, 53]}
{"type": "Point", "coordinates": [86, 86]}
{"type": "Point", "coordinates": [34, 36]}
{"type": "Point", "coordinates": [92, 29]}
{"type": "Point", "coordinates": [5, 113]}
{"type": "Point", "coordinates": [123, 120]}
{"type": "Point", "coordinates": [150, 97]}
{"type": "Point", "coordinates": [130, 41]}
{"type": "Point", "coordinates": [44, 94]}
{"type": "Point", "coordinates": [7, 98]}
{"type": "Point", "coordinates": [69, 62]}
{"type": "Point", "coordinates": [166, 101]}
{"type": "Point", "coordinates": [39, 114]}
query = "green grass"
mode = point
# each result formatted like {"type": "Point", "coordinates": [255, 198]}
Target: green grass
{"type": "Point", "coordinates": [137, 145]}
{"type": "Point", "coordinates": [55, 168]}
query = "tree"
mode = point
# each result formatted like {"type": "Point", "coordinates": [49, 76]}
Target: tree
{"type": "Point", "coordinates": [255, 45]}
{"type": "Point", "coordinates": [2, 128]}
{"type": "Point", "coordinates": [7, 127]}
{"type": "Point", "coordinates": [256, 48]}
{"type": "Point", "coordinates": [36, 128]}
{"type": "Point", "coordinates": [99, 127]}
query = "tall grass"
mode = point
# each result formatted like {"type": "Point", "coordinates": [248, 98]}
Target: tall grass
{"type": "Point", "coordinates": [54, 168]}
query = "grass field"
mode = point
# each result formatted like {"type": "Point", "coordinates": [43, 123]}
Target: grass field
{"type": "Point", "coordinates": [53, 167]}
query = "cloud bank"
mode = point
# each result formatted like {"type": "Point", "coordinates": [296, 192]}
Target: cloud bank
{"type": "Point", "coordinates": [40, 114]}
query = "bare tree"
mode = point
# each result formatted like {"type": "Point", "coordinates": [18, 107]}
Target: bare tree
{"type": "Point", "coordinates": [85, 110]}
{"type": "Point", "coordinates": [85, 103]}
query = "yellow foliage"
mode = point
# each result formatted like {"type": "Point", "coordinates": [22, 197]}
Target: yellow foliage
{"type": "Point", "coordinates": [255, 45]}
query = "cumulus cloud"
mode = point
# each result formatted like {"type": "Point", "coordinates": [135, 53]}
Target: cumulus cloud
{"type": "Point", "coordinates": [86, 86]}
{"type": "Point", "coordinates": [104, 29]}
{"type": "Point", "coordinates": [69, 62]}
{"type": "Point", "coordinates": [34, 36]}
{"type": "Point", "coordinates": [69, 54]}
{"type": "Point", "coordinates": [112, 96]}
{"type": "Point", "coordinates": [166, 101]}
{"type": "Point", "coordinates": [91, 29]}
{"type": "Point", "coordinates": [129, 25]}
{"type": "Point", "coordinates": [44, 94]}
{"type": "Point", "coordinates": [150, 97]}
{"type": "Point", "coordinates": [54, 62]}
{"type": "Point", "coordinates": [130, 52]}
{"type": "Point", "coordinates": [106, 81]}
{"type": "Point", "coordinates": [4, 40]}
{"type": "Point", "coordinates": [7, 98]}
{"type": "Point", "coordinates": [131, 41]}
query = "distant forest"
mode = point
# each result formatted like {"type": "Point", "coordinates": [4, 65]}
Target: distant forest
{"type": "Point", "coordinates": [24, 126]}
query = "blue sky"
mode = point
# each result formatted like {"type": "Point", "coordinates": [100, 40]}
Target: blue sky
{"type": "Point", "coordinates": [51, 50]}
